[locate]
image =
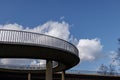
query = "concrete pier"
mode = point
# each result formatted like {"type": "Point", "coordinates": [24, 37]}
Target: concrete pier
{"type": "Point", "coordinates": [63, 75]}
{"type": "Point", "coordinates": [49, 70]}
{"type": "Point", "coordinates": [29, 76]}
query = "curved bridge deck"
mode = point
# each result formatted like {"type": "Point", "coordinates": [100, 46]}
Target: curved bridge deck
{"type": "Point", "coordinates": [23, 44]}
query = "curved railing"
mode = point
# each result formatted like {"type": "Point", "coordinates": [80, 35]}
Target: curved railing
{"type": "Point", "coordinates": [22, 67]}
{"type": "Point", "coordinates": [14, 36]}
{"type": "Point", "coordinates": [93, 73]}
{"type": "Point", "coordinates": [26, 67]}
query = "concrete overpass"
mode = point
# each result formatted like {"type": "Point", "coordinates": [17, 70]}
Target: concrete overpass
{"type": "Point", "coordinates": [29, 45]}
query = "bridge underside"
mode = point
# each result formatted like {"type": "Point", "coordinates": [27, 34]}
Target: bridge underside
{"type": "Point", "coordinates": [39, 52]}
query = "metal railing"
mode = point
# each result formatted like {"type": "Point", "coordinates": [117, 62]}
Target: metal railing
{"type": "Point", "coordinates": [26, 67]}
{"type": "Point", "coordinates": [92, 73]}
{"type": "Point", "coordinates": [22, 67]}
{"type": "Point", "coordinates": [24, 37]}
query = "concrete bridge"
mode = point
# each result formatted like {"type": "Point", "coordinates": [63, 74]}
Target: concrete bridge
{"type": "Point", "coordinates": [59, 54]}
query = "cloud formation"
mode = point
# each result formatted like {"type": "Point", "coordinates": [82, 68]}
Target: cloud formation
{"type": "Point", "coordinates": [53, 28]}
{"type": "Point", "coordinates": [14, 26]}
{"type": "Point", "coordinates": [89, 49]}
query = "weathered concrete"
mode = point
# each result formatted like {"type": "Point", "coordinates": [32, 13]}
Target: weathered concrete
{"type": "Point", "coordinates": [49, 70]}
{"type": "Point", "coordinates": [29, 76]}
{"type": "Point", "coordinates": [63, 75]}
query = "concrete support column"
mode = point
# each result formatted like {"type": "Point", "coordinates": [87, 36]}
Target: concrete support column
{"type": "Point", "coordinates": [49, 70]}
{"type": "Point", "coordinates": [63, 75]}
{"type": "Point", "coordinates": [29, 76]}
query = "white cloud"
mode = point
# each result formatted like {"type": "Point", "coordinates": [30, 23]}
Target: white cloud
{"type": "Point", "coordinates": [56, 29]}
{"type": "Point", "coordinates": [73, 40]}
{"type": "Point", "coordinates": [89, 49]}
{"type": "Point", "coordinates": [11, 26]}
{"type": "Point", "coordinates": [53, 28]}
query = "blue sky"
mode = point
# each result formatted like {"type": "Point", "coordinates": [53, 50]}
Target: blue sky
{"type": "Point", "coordinates": [89, 19]}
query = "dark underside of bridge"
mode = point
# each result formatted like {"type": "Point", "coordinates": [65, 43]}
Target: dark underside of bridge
{"type": "Point", "coordinates": [41, 76]}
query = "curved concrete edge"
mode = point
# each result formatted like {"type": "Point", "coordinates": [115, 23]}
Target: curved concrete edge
{"type": "Point", "coordinates": [39, 52]}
